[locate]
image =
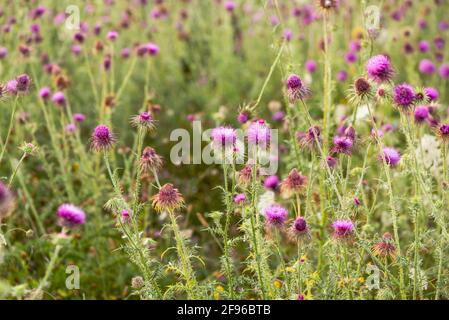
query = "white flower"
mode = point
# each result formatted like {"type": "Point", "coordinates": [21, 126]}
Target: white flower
{"type": "Point", "coordinates": [428, 154]}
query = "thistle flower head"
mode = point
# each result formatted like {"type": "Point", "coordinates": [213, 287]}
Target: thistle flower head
{"type": "Point", "coordinates": [70, 215]}
{"type": "Point", "coordinates": [385, 247]}
{"type": "Point", "coordinates": [327, 4]}
{"type": "Point", "coordinates": [23, 83]}
{"type": "Point", "coordinates": [102, 138]}
{"type": "Point", "coordinates": [442, 131]}
{"type": "Point", "coordinates": [7, 202]}
{"type": "Point", "coordinates": [426, 67]}
{"type": "Point", "coordinates": [275, 215]}
{"type": "Point", "coordinates": [144, 120]}
{"type": "Point", "coordinates": [343, 229]}
{"type": "Point", "coordinates": [294, 183]}
{"type": "Point", "coordinates": [271, 182]}
{"type": "Point", "coordinates": [431, 93]}
{"type": "Point", "coordinates": [342, 145]}
{"type": "Point", "coordinates": [360, 91]}
{"type": "Point", "coordinates": [224, 137]}
{"type": "Point", "coordinates": [150, 160]}
{"type": "Point", "coordinates": [299, 228]}
{"type": "Point", "coordinates": [421, 114]}
{"type": "Point", "coordinates": [379, 69]}
{"type": "Point", "coordinates": [311, 138]}
{"type": "Point", "coordinates": [390, 156]}
{"type": "Point", "coordinates": [258, 133]}
{"type": "Point", "coordinates": [58, 98]}
{"type": "Point", "coordinates": [44, 93]}
{"type": "Point", "coordinates": [239, 198]}
{"type": "Point", "coordinates": [404, 96]}
{"type": "Point", "coordinates": [296, 90]}
{"type": "Point", "coordinates": [167, 199]}
{"type": "Point", "coordinates": [246, 174]}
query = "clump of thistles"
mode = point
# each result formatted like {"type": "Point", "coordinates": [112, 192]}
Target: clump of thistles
{"type": "Point", "coordinates": [70, 216]}
{"type": "Point", "coordinates": [150, 160]}
{"type": "Point", "coordinates": [275, 215]}
{"type": "Point", "coordinates": [168, 199]}
{"type": "Point", "coordinates": [379, 69]}
{"type": "Point", "coordinates": [102, 138]}
{"type": "Point", "coordinates": [296, 90]}
{"type": "Point", "coordinates": [343, 229]}
{"type": "Point", "coordinates": [144, 120]}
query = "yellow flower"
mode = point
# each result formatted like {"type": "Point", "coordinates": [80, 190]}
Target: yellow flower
{"type": "Point", "coordinates": [290, 269]}
{"type": "Point", "coordinates": [219, 288]}
{"type": "Point", "coordinates": [361, 280]}
{"type": "Point", "coordinates": [277, 284]}
{"type": "Point", "coordinates": [357, 33]}
{"type": "Point", "coordinates": [216, 296]}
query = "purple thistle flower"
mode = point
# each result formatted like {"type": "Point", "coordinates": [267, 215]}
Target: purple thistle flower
{"type": "Point", "coordinates": [71, 216]}
{"type": "Point", "coordinates": [343, 229]}
{"type": "Point", "coordinates": [79, 117]}
{"type": "Point", "coordinates": [125, 53]}
{"type": "Point", "coordinates": [390, 156]}
{"type": "Point", "coordinates": [239, 198]}
{"type": "Point", "coordinates": [102, 138]}
{"type": "Point", "coordinates": [295, 88]}
{"type": "Point", "coordinates": [3, 52]}
{"type": "Point", "coordinates": [70, 128]}
{"type": "Point", "coordinates": [278, 116]}
{"type": "Point", "coordinates": [224, 136]}
{"type": "Point", "coordinates": [11, 87]}
{"type": "Point", "coordinates": [143, 120]}
{"type": "Point", "coordinates": [44, 93]}
{"type": "Point", "coordinates": [271, 182]}
{"type": "Point", "coordinates": [426, 67]}
{"type": "Point", "coordinates": [258, 133]}
{"type": "Point", "coordinates": [299, 227]}
{"type": "Point", "coordinates": [351, 57]}
{"type": "Point", "coordinates": [403, 96]}
{"type": "Point", "coordinates": [276, 215]}
{"type": "Point", "coordinates": [243, 117]}
{"type": "Point", "coordinates": [421, 114]}
{"type": "Point", "coordinates": [229, 6]}
{"type": "Point", "coordinates": [431, 93]}
{"type": "Point", "coordinates": [331, 161]}
{"type": "Point", "coordinates": [310, 66]}
{"type": "Point", "coordinates": [125, 215]}
{"type": "Point", "coordinates": [112, 35]}
{"type": "Point", "coordinates": [379, 69]}
{"type": "Point", "coordinates": [23, 83]}
{"type": "Point", "coordinates": [152, 48]}
{"type": "Point", "coordinates": [342, 145]}
{"type": "Point", "coordinates": [58, 98]}
{"type": "Point", "coordinates": [342, 75]}
{"type": "Point", "coordinates": [443, 132]}
{"type": "Point", "coordinates": [423, 46]}
{"type": "Point", "coordinates": [444, 71]}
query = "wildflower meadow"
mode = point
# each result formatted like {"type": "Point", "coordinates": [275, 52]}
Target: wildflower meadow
{"type": "Point", "coordinates": [224, 149]}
